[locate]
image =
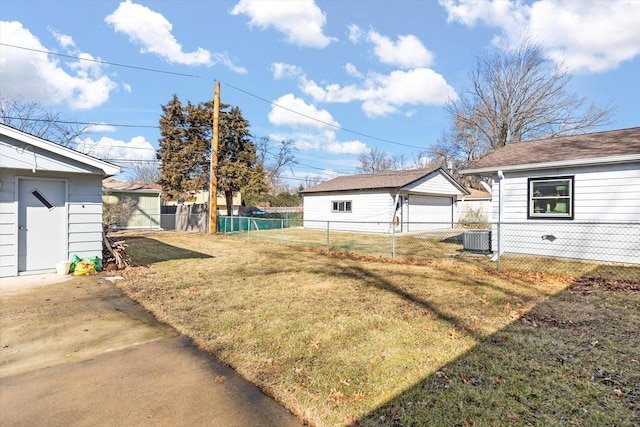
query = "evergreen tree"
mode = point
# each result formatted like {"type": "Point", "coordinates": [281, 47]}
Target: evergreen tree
{"type": "Point", "coordinates": [238, 168]}
{"type": "Point", "coordinates": [185, 151]}
{"type": "Point", "coordinates": [185, 144]}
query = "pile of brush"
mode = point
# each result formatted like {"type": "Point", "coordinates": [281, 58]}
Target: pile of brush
{"type": "Point", "coordinates": [114, 254]}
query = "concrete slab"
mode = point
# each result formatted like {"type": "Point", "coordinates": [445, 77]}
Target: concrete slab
{"type": "Point", "coordinates": [79, 352]}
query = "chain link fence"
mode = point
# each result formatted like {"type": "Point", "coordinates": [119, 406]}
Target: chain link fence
{"type": "Point", "coordinates": [606, 250]}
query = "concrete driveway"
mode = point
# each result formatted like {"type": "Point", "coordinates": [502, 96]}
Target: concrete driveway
{"type": "Point", "coordinates": [77, 351]}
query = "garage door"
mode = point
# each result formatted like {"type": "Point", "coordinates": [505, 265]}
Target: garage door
{"type": "Point", "coordinates": [427, 212]}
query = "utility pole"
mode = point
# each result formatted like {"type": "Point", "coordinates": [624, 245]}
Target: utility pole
{"type": "Point", "coordinates": [213, 191]}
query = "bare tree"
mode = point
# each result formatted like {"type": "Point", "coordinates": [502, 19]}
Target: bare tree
{"type": "Point", "coordinates": [145, 171]}
{"type": "Point", "coordinates": [376, 160]}
{"type": "Point", "coordinates": [274, 164]}
{"type": "Point", "coordinates": [516, 95]}
{"type": "Point", "coordinates": [34, 119]}
{"type": "Point", "coordinates": [312, 181]}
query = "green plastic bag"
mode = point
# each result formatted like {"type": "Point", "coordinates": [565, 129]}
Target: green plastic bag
{"type": "Point", "coordinates": [96, 261]}
{"type": "Point", "coordinates": [75, 260]}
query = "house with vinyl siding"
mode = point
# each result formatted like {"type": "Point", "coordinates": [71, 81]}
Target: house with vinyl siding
{"type": "Point", "coordinates": [384, 202]}
{"type": "Point", "coordinates": [50, 203]}
{"type": "Point", "coordinates": [574, 197]}
{"type": "Point", "coordinates": [145, 197]}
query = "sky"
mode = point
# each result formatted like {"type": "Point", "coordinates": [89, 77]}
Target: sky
{"type": "Point", "coordinates": [338, 78]}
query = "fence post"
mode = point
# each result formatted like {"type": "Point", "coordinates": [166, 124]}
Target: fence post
{"type": "Point", "coordinates": [499, 239]}
{"type": "Point", "coordinates": [393, 240]}
{"type": "Point", "coordinates": [248, 228]}
{"type": "Point", "coordinates": [328, 235]}
{"type": "Point", "coordinates": [281, 231]}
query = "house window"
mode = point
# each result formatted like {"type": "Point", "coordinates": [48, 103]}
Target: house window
{"type": "Point", "coordinates": [341, 206]}
{"type": "Point", "coordinates": [551, 198]}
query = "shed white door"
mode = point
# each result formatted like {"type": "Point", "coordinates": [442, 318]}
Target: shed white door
{"type": "Point", "coordinates": [428, 212]}
{"type": "Point", "coordinates": [42, 224]}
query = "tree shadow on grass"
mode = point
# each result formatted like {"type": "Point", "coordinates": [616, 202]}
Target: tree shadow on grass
{"type": "Point", "coordinates": [146, 251]}
{"type": "Point", "coordinates": [572, 360]}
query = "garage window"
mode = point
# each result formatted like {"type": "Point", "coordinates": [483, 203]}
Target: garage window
{"type": "Point", "coordinates": [38, 195]}
{"type": "Point", "coordinates": [341, 206]}
{"type": "Point", "coordinates": [551, 198]}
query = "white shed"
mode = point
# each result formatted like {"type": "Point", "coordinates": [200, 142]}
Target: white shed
{"type": "Point", "coordinates": [50, 203]}
{"type": "Point", "coordinates": [571, 197]}
{"type": "Point", "coordinates": [412, 200]}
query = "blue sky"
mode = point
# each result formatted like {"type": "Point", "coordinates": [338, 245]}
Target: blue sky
{"type": "Point", "coordinates": [362, 74]}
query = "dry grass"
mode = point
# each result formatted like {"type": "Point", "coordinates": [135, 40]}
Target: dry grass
{"type": "Point", "coordinates": [339, 339]}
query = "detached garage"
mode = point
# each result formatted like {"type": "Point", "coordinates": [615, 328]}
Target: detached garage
{"type": "Point", "coordinates": [50, 203]}
{"type": "Point", "coordinates": [398, 201]}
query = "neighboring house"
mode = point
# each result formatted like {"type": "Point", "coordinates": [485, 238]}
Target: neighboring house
{"type": "Point", "coordinates": [475, 206]}
{"type": "Point", "coordinates": [146, 197]}
{"type": "Point", "coordinates": [202, 198]}
{"type": "Point", "coordinates": [572, 197]}
{"type": "Point", "coordinates": [412, 200]}
{"type": "Point", "coordinates": [50, 203]}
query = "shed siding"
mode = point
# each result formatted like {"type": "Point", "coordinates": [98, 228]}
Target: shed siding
{"type": "Point", "coordinates": [8, 224]}
{"type": "Point", "coordinates": [84, 213]}
{"type": "Point", "coordinates": [370, 211]}
{"type": "Point", "coordinates": [435, 184]}
{"type": "Point", "coordinates": [608, 194]}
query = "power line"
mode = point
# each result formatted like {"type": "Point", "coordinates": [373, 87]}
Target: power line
{"type": "Point", "coordinates": [226, 84]}
{"type": "Point", "coordinates": [99, 61]}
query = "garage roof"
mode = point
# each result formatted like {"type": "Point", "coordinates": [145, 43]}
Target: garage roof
{"type": "Point", "coordinates": [379, 181]}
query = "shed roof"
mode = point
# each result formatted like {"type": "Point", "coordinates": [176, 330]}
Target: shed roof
{"type": "Point", "coordinates": [130, 187]}
{"type": "Point", "coordinates": [477, 194]}
{"type": "Point", "coordinates": [50, 148]}
{"type": "Point", "coordinates": [592, 148]}
{"type": "Point", "coordinates": [378, 181]}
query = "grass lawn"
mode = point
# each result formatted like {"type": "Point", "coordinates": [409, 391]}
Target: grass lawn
{"type": "Point", "coordinates": [354, 340]}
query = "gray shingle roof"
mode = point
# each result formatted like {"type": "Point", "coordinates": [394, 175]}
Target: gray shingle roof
{"type": "Point", "coordinates": [624, 142]}
{"type": "Point", "coordinates": [380, 180]}
{"type": "Point", "coordinates": [115, 185]}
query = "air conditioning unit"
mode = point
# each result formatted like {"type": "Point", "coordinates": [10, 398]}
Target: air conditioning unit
{"type": "Point", "coordinates": [477, 240]}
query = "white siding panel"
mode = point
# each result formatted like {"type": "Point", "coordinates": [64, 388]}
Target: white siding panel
{"type": "Point", "coordinates": [84, 237]}
{"type": "Point", "coordinates": [86, 249]}
{"type": "Point", "coordinates": [81, 228]}
{"type": "Point", "coordinates": [601, 194]}
{"type": "Point", "coordinates": [434, 184]}
{"type": "Point", "coordinates": [14, 156]}
{"type": "Point", "coordinates": [370, 211]}
{"type": "Point", "coordinates": [85, 216]}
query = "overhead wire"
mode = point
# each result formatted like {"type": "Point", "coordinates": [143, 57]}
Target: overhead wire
{"type": "Point", "coordinates": [148, 69]}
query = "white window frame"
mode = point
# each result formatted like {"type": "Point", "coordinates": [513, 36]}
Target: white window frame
{"type": "Point", "coordinates": [535, 199]}
{"type": "Point", "coordinates": [342, 206]}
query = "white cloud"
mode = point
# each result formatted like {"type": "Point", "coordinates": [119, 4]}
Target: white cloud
{"type": "Point", "coordinates": [64, 40]}
{"type": "Point", "coordinates": [37, 77]}
{"type": "Point", "coordinates": [282, 114]}
{"type": "Point", "coordinates": [407, 52]}
{"type": "Point", "coordinates": [314, 128]}
{"type": "Point", "coordinates": [101, 127]}
{"type": "Point", "coordinates": [352, 70]}
{"type": "Point", "coordinates": [282, 70]}
{"type": "Point", "coordinates": [324, 141]}
{"type": "Point", "coordinates": [152, 31]}
{"type": "Point", "coordinates": [355, 33]}
{"type": "Point", "coordinates": [383, 94]}
{"type": "Point", "coordinates": [114, 150]}
{"type": "Point", "coordinates": [583, 36]}
{"type": "Point", "coordinates": [300, 21]}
